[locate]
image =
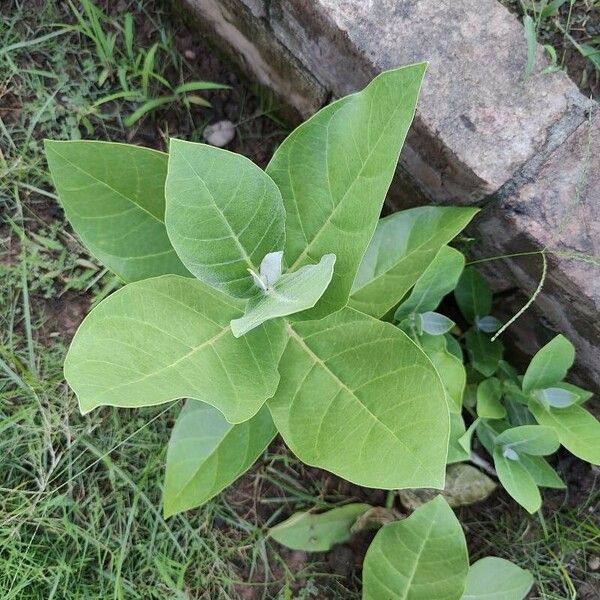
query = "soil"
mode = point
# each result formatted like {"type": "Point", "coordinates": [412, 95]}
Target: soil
{"type": "Point", "coordinates": [257, 135]}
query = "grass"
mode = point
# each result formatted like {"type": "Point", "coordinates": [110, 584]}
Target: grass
{"type": "Point", "coordinates": [558, 548]}
{"type": "Point", "coordinates": [569, 30]}
{"type": "Point", "coordinates": [80, 496]}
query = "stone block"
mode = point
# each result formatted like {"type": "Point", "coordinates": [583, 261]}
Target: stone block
{"type": "Point", "coordinates": [526, 148]}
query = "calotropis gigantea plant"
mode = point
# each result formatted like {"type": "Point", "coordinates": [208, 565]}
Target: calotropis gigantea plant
{"type": "Point", "coordinates": [244, 293]}
{"type": "Point", "coordinates": [247, 292]}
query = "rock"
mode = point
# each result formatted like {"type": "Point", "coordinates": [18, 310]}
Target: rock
{"type": "Point", "coordinates": [464, 485]}
{"type": "Point", "coordinates": [219, 134]}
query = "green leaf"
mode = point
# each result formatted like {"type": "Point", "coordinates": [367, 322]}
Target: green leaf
{"type": "Point", "coordinates": [517, 481]}
{"type": "Point", "coordinates": [529, 439]}
{"type": "Point", "coordinates": [113, 196]}
{"type": "Point", "coordinates": [206, 454]}
{"type": "Point", "coordinates": [549, 365]}
{"type": "Point", "coordinates": [434, 323]}
{"type": "Point", "coordinates": [577, 429]}
{"type": "Point", "coordinates": [465, 440]}
{"type": "Point", "coordinates": [456, 452]}
{"type": "Point", "coordinates": [485, 355]}
{"type": "Point", "coordinates": [169, 337]}
{"type": "Point", "coordinates": [450, 369]}
{"type": "Point", "coordinates": [473, 295]}
{"type": "Point", "coordinates": [340, 409]}
{"type": "Point", "coordinates": [224, 215]}
{"type": "Point", "coordinates": [453, 346]}
{"type": "Point", "coordinates": [291, 293]}
{"type": "Point", "coordinates": [402, 248]}
{"type": "Point", "coordinates": [493, 578]}
{"type": "Point", "coordinates": [423, 557]}
{"type": "Point", "coordinates": [438, 279]}
{"type": "Point", "coordinates": [556, 397]}
{"type": "Point", "coordinates": [334, 171]}
{"type": "Point", "coordinates": [489, 399]}
{"type": "Point", "coordinates": [582, 395]}
{"type": "Point", "coordinates": [318, 532]}
{"type": "Point", "coordinates": [487, 324]}
{"type": "Point", "coordinates": [543, 474]}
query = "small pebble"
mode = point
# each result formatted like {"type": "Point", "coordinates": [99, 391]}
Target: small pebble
{"type": "Point", "coordinates": [190, 54]}
{"type": "Point", "coordinates": [594, 563]}
{"type": "Point", "coordinates": [219, 134]}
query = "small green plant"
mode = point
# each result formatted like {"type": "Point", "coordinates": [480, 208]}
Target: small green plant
{"type": "Point", "coordinates": [140, 78]}
{"type": "Point", "coordinates": [422, 557]}
{"type": "Point", "coordinates": [278, 301]}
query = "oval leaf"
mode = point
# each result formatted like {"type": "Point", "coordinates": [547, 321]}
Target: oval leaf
{"type": "Point", "coordinates": [577, 429]}
{"type": "Point", "coordinates": [450, 369]}
{"type": "Point", "coordinates": [114, 197]}
{"type": "Point", "coordinates": [438, 279]}
{"type": "Point", "coordinates": [318, 532]}
{"type": "Point", "coordinates": [543, 474]}
{"type": "Point", "coordinates": [489, 399]}
{"type": "Point", "coordinates": [333, 209]}
{"type": "Point", "coordinates": [435, 323]}
{"type": "Point", "coordinates": [339, 409]}
{"type": "Point", "coordinates": [169, 337]}
{"type": "Point", "coordinates": [473, 295]}
{"type": "Point", "coordinates": [549, 365]}
{"type": "Point", "coordinates": [402, 248]}
{"type": "Point", "coordinates": [291, 293]}
{"type": "Point", "coordinates": [206, 454]}
{"type": "Point", "coordinates": [517, 481]}
{"type": "Point", "coordinates": [556, 397]}
{"type": "Point", "coordinates": [423, 557]}
{"type": "Point", "coordinates": [529, 439]}
{"type": "Point", "coordinates": [224, 215]}
{"type": "Point", "coordinates": [484, 354]}
{"type": "Point", "coordinates": [493, 578]}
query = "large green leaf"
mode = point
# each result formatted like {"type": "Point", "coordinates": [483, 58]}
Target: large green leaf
{"type": "Point", "coordinates": [473, 295]}
{"type": "Point", "coordinates": [314, 532]}
{"type": "Point", "coordinates": [549, 365]}
{"type": "Point", "coordinates": [493, 578]}
{"type": "Point", "coordinates": [169, 337]}
{"type": "Point", "coordinates": [403, 246]}
{"type": "Point", "coordinates": [438, 279]}
{"type": "Point", "coordinates": [224, 214]}
{"type": "Point", "coordinates": [114, 197]}
{"type": "Point", "coordinates": [334, 171]}
{"type": "Point", "coordinates": [357, 397]}
{"type": "Point", "coordinates": [291, 293]}
{"type": "Point", "coordinates": [423, 557]}
{"type": "Point", "coordinates": [577, 429]}
{"type": "Point", "coordinates": [517, 481]}
{"type": "Point", "coordinates": [206, 454]}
